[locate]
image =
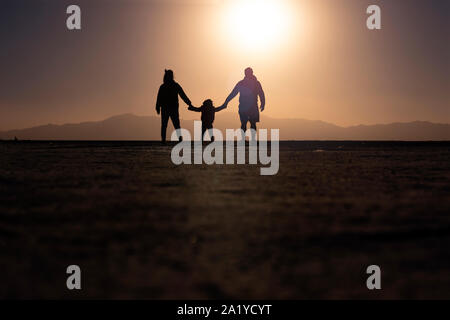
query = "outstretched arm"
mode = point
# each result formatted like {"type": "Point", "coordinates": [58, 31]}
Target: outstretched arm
{"type": "Point", "coordinates": [184, 96]}
{"type": "Point", "coordinates": [262, 96]}
{"type": "Point", "coordinates": [232, 95]}
{"type": "Point", "coordinates": [192, 108]}
{"type": "Point", "coordinates": [220, 108]}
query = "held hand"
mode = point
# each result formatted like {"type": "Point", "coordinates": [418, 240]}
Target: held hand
{"type": "Point", "coordinates": [262, 108]}
{"type": "Point", "coordinates": [158, 111]}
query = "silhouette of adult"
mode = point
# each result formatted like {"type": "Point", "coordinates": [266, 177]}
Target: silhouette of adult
{"type": "Point", "coordinates": [249, 88]}
{"type": "Point", "coordinates": [167, 103]}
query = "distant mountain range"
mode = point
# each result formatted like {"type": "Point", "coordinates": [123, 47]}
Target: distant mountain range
{"type": "Point", "coordinates": [132, 127]}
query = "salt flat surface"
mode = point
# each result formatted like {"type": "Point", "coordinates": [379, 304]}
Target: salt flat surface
{"type": "Point", "coordinates": [141, 227]}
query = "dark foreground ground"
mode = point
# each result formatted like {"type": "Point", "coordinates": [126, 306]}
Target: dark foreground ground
{"type": "Point", "coordinates": [141, 227]}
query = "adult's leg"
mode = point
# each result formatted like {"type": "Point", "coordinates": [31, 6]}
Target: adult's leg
{"type": "Point", "coordinates": [244, 119]}
{"type": "Point", "coordinates": [244, 124]}
{"type": "Point", "coordinates": [174, 116]}
{"type": "Point", "coordinates": [164, 121]}
{"type": "Point", "coordinates": [253, 132]}
{"type": "Point", "coordinates": [253, 118]}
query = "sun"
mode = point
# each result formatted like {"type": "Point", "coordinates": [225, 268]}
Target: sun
{"type": "Point", "coordinates": [258, 24]}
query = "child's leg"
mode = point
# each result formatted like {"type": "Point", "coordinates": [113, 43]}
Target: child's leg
{"type": "Point", "coordinates": [207, 126]}
{"type": "Point", "coordinates": [203, 131]}
{"type": "Point", "coordinates": [210, 131]}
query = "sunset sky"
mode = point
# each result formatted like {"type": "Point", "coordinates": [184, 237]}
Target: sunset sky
{"type": "Point", "coordinates": [316, 59]}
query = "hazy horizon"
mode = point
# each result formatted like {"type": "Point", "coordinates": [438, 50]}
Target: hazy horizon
{"type": "Point", "coordinates": [225, 113]}
{"type": "Point", "coordinates": [130, 127]}
{"type": "Point", "coordinates": [325, 65]}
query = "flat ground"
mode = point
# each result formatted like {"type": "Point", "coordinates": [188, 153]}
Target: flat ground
{"type": "Point", "coordinates": [141, 227]}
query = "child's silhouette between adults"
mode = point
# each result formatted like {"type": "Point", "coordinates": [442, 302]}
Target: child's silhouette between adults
{"type": "Point", "coordinates": [249, 89]}
{"type": "Point", "coordinates": [208, 115]}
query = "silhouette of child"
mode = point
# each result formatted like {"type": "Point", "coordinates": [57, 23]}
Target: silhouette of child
{"type": "Point", "coordinates": [208, 114]}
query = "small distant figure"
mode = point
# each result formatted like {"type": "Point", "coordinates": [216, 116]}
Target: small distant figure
{"type": "Point", "coordinates": [167, 103]}
{"type": "Point", "coordinates": [250, 89]}
{"type": "Point", "coordinates": [15, 138]}
{"type": "Point", "coordinates": [208, 115]}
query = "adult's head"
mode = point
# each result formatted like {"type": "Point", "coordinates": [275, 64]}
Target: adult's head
{"type": "Point", "coordinates": [249, 72]}
{"type": "Point", "coordinates": [168, 76]}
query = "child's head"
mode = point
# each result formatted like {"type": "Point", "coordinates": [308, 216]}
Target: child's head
{"type": "Point", "coordinates": [208, 103]}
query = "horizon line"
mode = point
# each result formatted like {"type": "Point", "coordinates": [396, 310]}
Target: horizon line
{"type": "Point", "coordinates": [285, 119]}
{"type": "Point", "coordinates": [207, 142]}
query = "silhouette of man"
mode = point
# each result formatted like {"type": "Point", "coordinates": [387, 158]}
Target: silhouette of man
{"type": "Point", "coordinates": [167, 103]}
{"type": "Point", "coordinates": [249, 89]}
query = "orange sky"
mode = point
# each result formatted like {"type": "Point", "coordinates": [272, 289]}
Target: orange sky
{"type": "Point", "coordinates": [325, 66]}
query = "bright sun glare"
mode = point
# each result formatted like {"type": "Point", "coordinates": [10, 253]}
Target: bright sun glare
{"type": "Point", "coordinates": [258, 24]}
